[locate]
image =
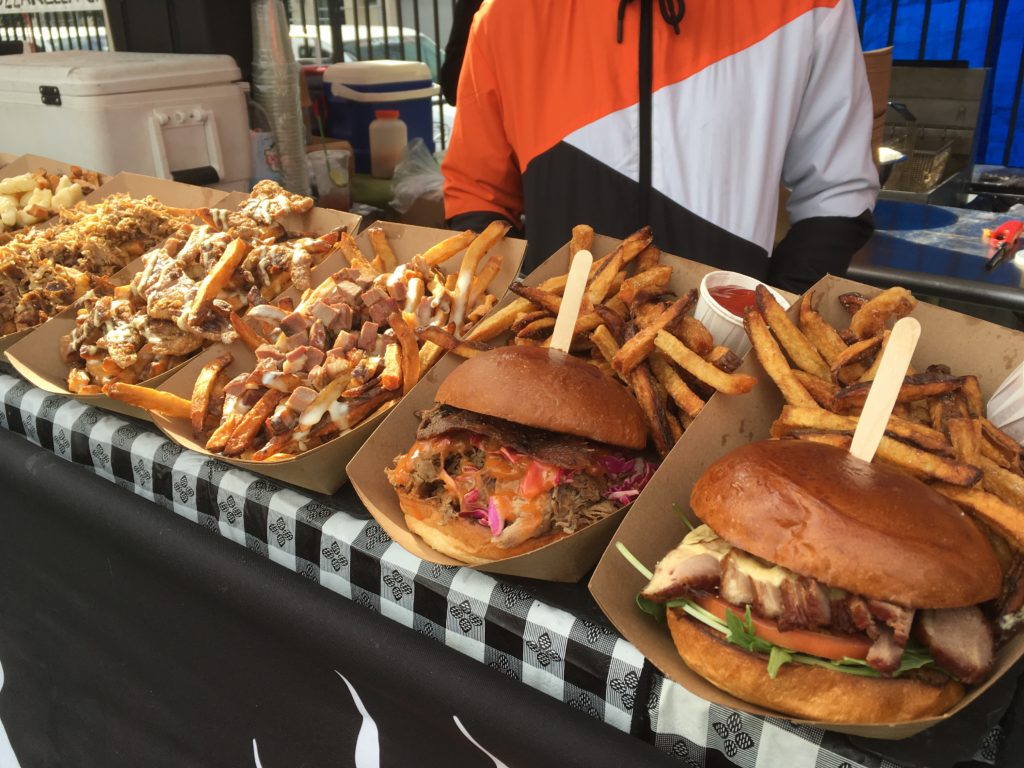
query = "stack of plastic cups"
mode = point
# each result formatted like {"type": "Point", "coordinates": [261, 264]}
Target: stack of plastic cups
{"type": "Point", "coordinates": [275, 84]}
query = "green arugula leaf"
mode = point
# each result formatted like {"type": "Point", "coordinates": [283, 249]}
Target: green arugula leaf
{"type": "Point", "coordinates": [679, 511]}
{"type": "Point", "coordinates": [657, 610]}
{"type": "Point", "coordinates": [632, 559]}
{"type": "Point", "coordinates": [776, 658]}
{"type": "Point", "coordinates": [741, 632]}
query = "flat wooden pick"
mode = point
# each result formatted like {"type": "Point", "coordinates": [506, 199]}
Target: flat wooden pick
{"type": "Point", "coordinates": [885, 388]}
{"type": "Point", "coordinates": [569, 309]}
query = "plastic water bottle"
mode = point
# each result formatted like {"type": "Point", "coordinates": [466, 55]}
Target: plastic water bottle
{"type": "Point", "coordinates": [275, 83]}
{"type": "Point", "coordinates": [388, 137]}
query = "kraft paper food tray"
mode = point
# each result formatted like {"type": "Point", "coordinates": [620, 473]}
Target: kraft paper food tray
{"type": "Point", "coordinates": [653, 527]}
{"type": "Point", "coordinates": [322, 469]}
{"type": "Point", "coordinates": [6, 158]}
{"type": "Point", "coordinates": [36, 356]}
{"type": "Point", "coordinates": [16, 165]}
{"type": "Point", "coordinates": [170, 193]}
{"type": "Point", "coordinates": [566, 560]}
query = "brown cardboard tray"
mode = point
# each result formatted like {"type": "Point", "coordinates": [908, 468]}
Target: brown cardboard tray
{"type": "Point", "coordinates": [34, 354]}
{"type": "Point", "coordinates": [323, 468]}
{"type": "Point", "coordinates": [653, 525]}
{"type": "Point", "coordinates": [566, 560]}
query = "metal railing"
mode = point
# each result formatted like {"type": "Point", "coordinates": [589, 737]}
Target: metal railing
{"type": "Point", "coordinates": [56, 31]}
{"type": "Point", "coordinates": [974, 33]}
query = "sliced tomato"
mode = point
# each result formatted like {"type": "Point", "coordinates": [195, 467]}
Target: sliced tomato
{"type": "Point", "coordinates": [824, 644]}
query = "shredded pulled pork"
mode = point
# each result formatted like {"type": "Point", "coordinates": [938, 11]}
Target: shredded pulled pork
{"type": "Point", "coordinates": [547, 481]}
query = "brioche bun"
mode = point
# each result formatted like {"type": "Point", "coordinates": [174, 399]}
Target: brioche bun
{"type": "Point", "coordinates": [546, 389]}
{"type": "Point", "coordinates": [867, 528]}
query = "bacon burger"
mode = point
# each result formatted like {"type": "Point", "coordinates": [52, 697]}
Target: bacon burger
{"type": "Point", "coordinates": [829, 588]}
{"type": "Point", "coordinates": [524, 446]}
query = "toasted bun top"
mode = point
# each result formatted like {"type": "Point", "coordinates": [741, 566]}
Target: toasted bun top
{"type": "Point", "coordinates": [546, 389]}
{"type": "Point", "coordinates": [866, 528]}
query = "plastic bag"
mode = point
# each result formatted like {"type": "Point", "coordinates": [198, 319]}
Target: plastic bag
{"type": "Point", "coordinates": [416, 175]}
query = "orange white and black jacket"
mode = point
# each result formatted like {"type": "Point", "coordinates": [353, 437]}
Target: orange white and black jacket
{"type": "Point", "coordinates": [686, 117]}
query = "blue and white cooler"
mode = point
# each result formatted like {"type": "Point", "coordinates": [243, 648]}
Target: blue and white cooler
{"type": "Point", "coordinates": [359, 88]}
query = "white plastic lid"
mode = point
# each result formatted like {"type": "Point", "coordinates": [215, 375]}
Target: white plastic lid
{"type": "Point", "coordinates": [95, 73]}
{"type": "Point", "coordinates": [376, 72]}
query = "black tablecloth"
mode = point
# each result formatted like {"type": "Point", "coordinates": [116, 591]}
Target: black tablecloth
{"type": "Point", "coordinates": [132, 636]}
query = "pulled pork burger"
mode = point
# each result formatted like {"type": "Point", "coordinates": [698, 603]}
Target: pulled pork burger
{"type": "Point", "coordinates": [524, 446]}
{"type": "Point", "coordinates": [829, 588]}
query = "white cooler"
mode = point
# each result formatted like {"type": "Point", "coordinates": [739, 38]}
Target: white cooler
{"type": "Point", "coordinates": [171, 115]}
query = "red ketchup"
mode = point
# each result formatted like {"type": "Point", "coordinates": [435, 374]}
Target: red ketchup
{"type": "Point", "coordinates": [734, 298]}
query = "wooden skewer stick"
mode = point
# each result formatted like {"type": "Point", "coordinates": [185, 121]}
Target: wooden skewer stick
{"type": "Point", "coordinates": [569, 309]}
{"type": "Point", "coordinates": [885, 388]}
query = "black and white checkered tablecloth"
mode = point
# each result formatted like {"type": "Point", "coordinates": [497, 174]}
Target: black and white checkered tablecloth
{"type": "Point", "coordinates": [581, 662]}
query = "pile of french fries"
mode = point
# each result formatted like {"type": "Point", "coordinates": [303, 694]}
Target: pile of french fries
{"type": "Point", "coordinates": [186, 291]}
{"type": "Point", "coordinates": [345, 351]}
{"type": "Point", "coordinates": [938, 430]}
{"type": "Point", "coordinates": [631, 325]}
{"type": "Point", "coordinates": [30, 198]}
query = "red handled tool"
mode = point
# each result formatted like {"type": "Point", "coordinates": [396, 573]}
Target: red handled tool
{"type": "Point", "coordinates": [1004, 239]}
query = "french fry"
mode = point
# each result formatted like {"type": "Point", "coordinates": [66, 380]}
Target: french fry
{"type": "Point", "coordinates": [202, 389]}
{"type": "Point", "coordinates": [483, 278]}
{"type": "Point", "coordinates": [447, 248]}
{"type": "Point", "coordinates": [430, 353]}
{"type": "Point", "coordinates": [382, 249]}
{"type": "Point", "coordinates": [1003, 517]}
{"type": "Point", "coordinates": [601, 281]}
{"type": "Point", "coordinates": [925, 463]}
{"type": "Point", "coordinates": [972, 394]}
{"type": "Point", "coordinates": [391, 375]}
{"type": "Point", "coordinates": [890, 304]}
{"type": "Point", "coordinates": [410, 351]}
{"type": "Point", "coordinates": [822, 391]}
{"type": "Point", "coordinates": [479, 248]}
{"type": "Point", "coordinates": [684, 397]}
{"type": "Point", "coordinates": [537, 329]}
{"type": "Point", "coordinates": [251, 422]}
{"type": "Point", "coordinates": [149, 399]}
{"type": "Point", "coordinates": [792, 340]}
{"type": "Point", "coordinates": [835, 439]}
{"type": "Point", "coordinates": [915, 387]}
{"type": "Point", "coordinates": [641, 381]}
{"type": "Point", "coordinates": [498, 322]}
{"type": "Point", "coordinates": [852, 301]}
{"type": "Point", "coordinates": [582, 240]}
{"type": "Point", "coordinates": [872, 370]}
{"type": "Point", "coordinates": [219, 275]}
{"type": "Point", "coordinates": [605, 343]}
{"type": "Point", "coordinates": [220, 436]}
{"type": "Point", "coordinates": [774, 362]}
{"type": "Point", "coordinates": [793, 417]}
{"type": "Point", "coordinates": [655, 277]}
{"type": "Point", "coordinates": [447, 341]}
{"type": "Point", "coordinates": [546, 300]}
{"type": "Point", "coordinates": [649, 258]}
{"type": "Point", "coordinates": [1005, 444]}
{"type": "Point", "coordinates": [724, 359]}
{"type": "Point", "coordinates": [690, 361]}
{"type": "Point", "coordinates": [965, 435]}
{"type": "Point", "coordinates": [854, 353]}
{"type": "Point", "coordinates": [636, 349]}
{"type": "Point", "coordinates": [355, 257]}
{"type": "Point", "coordinates": [821, 334]}
{"type": "Point", "coordinates": [1003, 483]}
{"type": "Point", "coordinates": [246, 333]}
{"type": "Point", "coordinates": [694, 334]}
{"type": "Point", "coordinates": [526, 318]}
